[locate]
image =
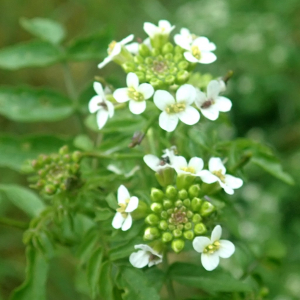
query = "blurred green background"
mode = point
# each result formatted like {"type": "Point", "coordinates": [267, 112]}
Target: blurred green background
{"type": "Point", "coordinates": [258, 40]}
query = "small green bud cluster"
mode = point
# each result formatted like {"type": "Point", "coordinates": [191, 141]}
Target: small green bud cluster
{"type": "Point", "coordinates": [177, 215]}
{"type": "Point", "coordinates": [56, 172]}
{"type": "Point", "coordinates": [161, 67]}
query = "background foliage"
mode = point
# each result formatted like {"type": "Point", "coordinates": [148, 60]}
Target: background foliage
{"type": "Point", "coordinates": [259, 40]}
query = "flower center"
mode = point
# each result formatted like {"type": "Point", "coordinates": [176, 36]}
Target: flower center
{"type": "Point", "coordinates": [208, 103]}
{"type": "Point", "coordinates": [196, 52]}
{"type": "Point", "coordinates": [123, 207]}
{"type": "Point", "coordinates": [135, 95]}
{"type": "Point", "coordinates": [159, 66]}
{"type": "Point", "coordinates": [210, 249]}
{"type": "Point", "coordinates": [189, 169]}
{"type": "Point", "coordinates": [178, 217]}
{"type": "Point", "coordinates": [220, 175]}
{"type": "Point", "coordinates": [103, 105]}
{"type": "Point", "coordinates": [111, 47]}
{"type": "Point", "coordinates": [175, 108]}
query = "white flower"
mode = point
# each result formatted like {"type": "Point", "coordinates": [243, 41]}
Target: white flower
{"type": "Point", "coordinates": [194, 166]}
{"type": "Point", "coordinates": [136, 94]}
{"type": "Point", "coordinates": [211, 104]}
{"type": "Point", "coordinates": [164, 27]}
{"type": "Point", "coordinates": [198, 51]}
{"type": "Point", "coordinates": [184, 38]}
{"type": "Point", "coordinates": [99, 104]}
{"type": "Point", "coordinates": [122, 218]}
{"type": "Point", "coordinates": [114, 49]}
{"type": "Point", "coordinates": [217, 173]}
{"type": "Point", "coordinates": [146, 256]}
{"type": "Point", "coordinates": [133, 48]}
{"type": "Point", "coordinates": [173, 110]}
{"type": "Point", "coordinates": [156, 163]}
{"type": "Point", "coordinates": [212, 249]}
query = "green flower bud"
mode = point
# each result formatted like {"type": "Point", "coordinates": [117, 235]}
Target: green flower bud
{"type": "Point", "coordinates": [194, 190]}
{"type": "Point", "coordinates": [151, 233]}
{"type": "Point", "coordinates": [142, 68]}
{"type": "Point", "coordinates": [182, 194]}
{"type": "Point", "coordinates": [152, 219]}
{"type": "Point", "coordinates": [170, 79]}
{"type": "Point", "coordinates": [177, 233]}
{"type": "Point", "coordinates": [183, 65]}
{"type": "Point", "coordinates": [167, 48]}
{"type": "Point", "coordinates": [164, 214]}
{"type": "Point", "coordinates": [200, 229]}
{"type": "Point", "coordinates": [163, 225]}
{"type": "Point", "coordinates": [138, 59]}
{"type": "Point", "coordinates": [170, 211]}
{"type": "Point", "coordinates": [144, 50]}
{"type": "Point", "coordinates": [196, 218]}
{"type": "Point", "coordinates": [167, 237]}
{"type": "Point", "coordinates": [171, 227]}
{"type": "Point", "coordinates": [168, 56]}
{"type": "Point", "coordinates": [178, 49]}
{"type": "Point", "coordinates": [206, 209]}
{"type": "Point", "coordinates": [149, 60]}
{"type": "Point", "coordinates": [156, 207]}
{"type": "Point", "coordinates": [141, 211]}
{"type": "Point", "coordinates": [140, 75]}
{"type": "Point", "coordinates": [171, 192]}
{"type": "Point", "coordinates": [188, 226]}
{"type": "Point", "coordinates": [50, 189]}
{"type": "Point", "coordinates": [189, 235]}
{"type": "Point", "coordinates": [183, 181]}
{"type": "Point", "coordinates": [63, 150]}
{"type": "Point", "coordinates": [35, 164]}
{"type": "Point", "coordinates": [187, 202]}
{"type": "Point", "coordinates": [189, 214]}
{"type": "Point", "coordinates": [180, 226]}
{"type": "Point", "coordinates": [178, 57]}
{"type": "Point", "coordinates": [182, 76]}
{"type": "Point", "coordinates": [63, 187]}
{"type": "Point", "coordinates": [156, 195]}
{"type": "Point", "coordinates": [178, 203]}
{"type": "Point", "coordinates": [154, 52]}
{"type": "Point", "coordinates": [177, 245]}
{"type": "Point", "coordinates": [167, 204]}
{"type": "Point", "coordinates": [129, 66]}
{"type": "Point", "coordinates": [76, 156]}
{"type": "Point", "coordinates": [165, 176]}
{"type": "Point", "coordinates": [156, 83]}
{"type": "Point", "coordinates": [196, 204]}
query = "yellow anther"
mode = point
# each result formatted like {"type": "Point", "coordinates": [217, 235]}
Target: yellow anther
{"type": "Point", "coordinates": [189, 169]}
{"type": "Point", "coordinates": [196, 52]}
{"type": "Point", "coordinates": [111, 47]}
{"type": "Point", "coordinates": [175, 108]}
{"type": "Point", "coordinates": [220, 175]}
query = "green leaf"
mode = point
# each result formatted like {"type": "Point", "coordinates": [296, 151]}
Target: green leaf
{"type": "Point", "coordinates": [125, 249]}
{"type": "Point", "coordinates": [15, 150]}
{"type": "Point", "coordinates": [83, 142]}
{"type": "Point", "coordinates": [23, 198]}
{"type": "Point", "coordinates": [211, 282]}
{"type": "Point", "coordinates": [34, 286]}
{"type": "Point", "coordinates": [105, 282]}
{"type": "Point", "coordinates": [26, 104]}
{"type": "Point", "coordinates": [103, 214]}
{"type": "Point", "coordinates": [31, 54]}
{"type": "Point", "coordinates": [112, 201]}
{"type": "Point", "coordinates": [45, 29]}
{"type": "Point", "coordinates": [93, 47]}
{"type": "Point", "coordinates": [136, 286]}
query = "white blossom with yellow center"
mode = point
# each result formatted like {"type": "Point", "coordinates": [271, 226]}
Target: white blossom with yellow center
{"type": "Point", "coordinates": [127, 204]}
{"type": "Point", "coordinates": [213, 248]}
{"type": "Point", "coordinates": [194, 167]}
{"type": "Point", "coordinates": [217, 173]}
{"type": "Point", "coordinates": [145, 256]}
{"type": "Point", "coordinates": [164, 27]}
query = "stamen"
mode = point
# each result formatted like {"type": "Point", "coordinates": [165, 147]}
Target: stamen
{"type": "Point", "coordinates": [196, 52]}
{"type": "Point", "coordinates": [175, 108]}
{"type": "Point", "coordinates": [111, 47]}
{"type": "Point", "coordinates": [220, 175]}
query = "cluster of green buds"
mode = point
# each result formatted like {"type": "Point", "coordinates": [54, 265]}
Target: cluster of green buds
{"type": "Point", "coordinates": [177, 215]}
{"type": "Point", "coordinates": [57, 172]}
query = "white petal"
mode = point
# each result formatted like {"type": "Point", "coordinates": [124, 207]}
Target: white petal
{"type": "Point", "coordinates": [216, 233]}
{"type": "Point", "coordinates": [227, 248]}
{"type": "Point", "coordinates": [204, 44]}
{"type": "Point", "coordinates": [121, 95]}
{"type": "Point", "coordinates": [127, 39]}
{"type": "Point", "coordinates": [152, 161]}
{"type": "Point", "coordinates": [233, 182]}
{"type": "Point", "coordinates": [210, 261]}
{"type": "Point", "coordinates": [190, 57]}
{"type": "Point", "coordinates": [165, 26]}
{"type": "Point", "coordinates": [146, 89]}
{"type": "Point", "coordinates": [200, 243]}
{"type": "Point", "coordinates": [133, 48]}
{"type": "Point", "coordinates": [132, 80]}
{"type": "Point", "coordinates": [139, 259]}
{"type": "Point", "coordinates": [211, 112]}
{"type": "Point", "coordinates": [207, 57]}
{"type": "Point", "coordinates": [186, 93]}
{"type": "Point", "coordinates": [181, 41]}
{"type": "Point", "coordinates": [150, 29]}
{"type": "Point", "coordinates": [93, 104]}
{"type": "Point", "coordinates": [200, 98]}
{"type": "Point", "coordinates": [106, 60]}
{"type": "Point", "coordinates": [162, 99]}
{"type": "Point", "coordinates": [117, 221]}
{"type": "Point", "coordinates": [215, 164]}
{"type": "Point", "coordinates": [143, 247]}
{"type": "Point", "coordinates": [132, 205]}
{"type": "Point", "coordinates": [179, 162]}
{"type": "Point", "coordinates": [189, 116]}
{"type": "Point", "coordinates": [98, 89]}
{"type": "Point", "coordinates": [111, 108]}
{"type": "Point", "coordinates": [123, 194]}
{"type": "Point", "coordinates": [196, 163]}
{"type": "Point", "coordinates": [207, 176]}
{"type": "Point", "coordinates": [116, 50]}
{"type": "Point", "coordinates": [168, 122]}
{"type": "Point", "coordinates": [227, 189]}
{"type": "Point", "coordinates": [137, 107]}
{"type": "Point", "coordinates": [127, 223]}
{"type": "Point", "coordinates": [102, 116]}
{"type": "Point", "coordinates": [213, 89]}
{"type": "Point", "coordinates": [223, 104]}
{"type": "Point", "coordinates": [185, 32]}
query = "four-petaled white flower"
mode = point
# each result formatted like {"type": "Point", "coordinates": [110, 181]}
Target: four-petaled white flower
{"type": "Point", "coordinates": [164, 27]}
{"type": "Point", "coordinates": [99, 104]}
{"type": "Point", "coordinates": [194, 167]}
{"type": "Point", "coordinates": [185, 37]}
{"type": "Point", "coordinates": [114, 49]}
{"type": "Point", "coordinates": [198, 50]}
{"type": "Point", "coordinates": [211, 104]}
{"type": "Point", "coordinates": [212, 249]}
{"type": "Point", "coordinates": [173, 110]}
{"type": "Point", "coordinates": [217, 173]}
{"type": "Point", "coordinates": [156, 163]}
{"type": "Point", "coordinates": [122, 218]}
{"type": "Point", "coordinates": [136, 94]}
{"type": "Point", "coordinates": [146, 256]}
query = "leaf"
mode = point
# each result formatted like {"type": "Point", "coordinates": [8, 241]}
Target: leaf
{"type": "Point", "coordinates": [23, 198]}
{"type": "Point", "coordinates": [34, 286]}
{"type": "Point", "coordinates": [93, 47]}
{"type": "Point", "coordinates": [215, 281]}
{"type": "Point", "coordinates": [103, 214]}
{"type": "Point", "coordinates": [112, 201]}
{"type": "Point", "coordinates": [105, 282]}
{"type": "Point", "coordinates": [15, 150]}
{"type": "Point", "coordinates": [125, 249]}
{"type": "Point", "coordinates": [25, 104]}
{"type": "Point", "coordinates": [30, 54]}
{"type": "Point", "coordinates": [45, 29]}
{"type": "Point", "coordinates": [136, 286]}
{"type": "Point", "coordinates": [83, 142]}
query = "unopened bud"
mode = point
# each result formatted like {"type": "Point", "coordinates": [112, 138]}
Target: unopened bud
{"type": "Point", "coordinates": [177, 245]}
{"type": "Point", "coordinates": [206, 209]}
{"type": "Point", "coordinates": [178, 203]}
{"type": "Point", "coordinates": [50, 189]}
{"type": "Point", "coordinates": [184, 181]}
{"type": "Point", "coordinates": [189, 235]}
{"type": "Point", "coordinates": [164, 214]}
{"type": "Point", "coordinates": [196, 218]}
{"type": "Point", "coordinates": [167, 237]}
{"type": "Point", "coordinates": [167, 48]}
{"type": "Point", "coordinates": [188, 226]}
{"type": "Point", "coordinates": [138, 59]}
{"type": "Point", "coordinates": [170, 79]}
{"type": "Point", "coordinates": [63, 150]}
{"type": "Point", "coordinates": [128, 66]}
{"type": "Point", "coordinates": [171, 192]}
{"type": "Point", "coordinates": [163, 225]}
{"type": "Point", "coordinates": [177, 233]}
{"type": "Point", "coordinates": [156, 195]}
{"type": "Point", "coordinates": [196, 204]}
{"type": "Point", "coordinates": [152, 219]}
{"type": "Point", "coordinates": [144, 50]}
{"type": "Point", "coordinates": [151, 233]}
{"type": "Point", "coordinates": [156, 207]}
{"type": "Point", "coordinates": [182, 194]}
{"type": "Point", "coordinates": [167, 204]}
{"type": "Point", "coordinates": [194, 190]}
{"type": "Point", "coordinates": [76, 156]}
{"type": "Point", "coordinates": [200, 229]}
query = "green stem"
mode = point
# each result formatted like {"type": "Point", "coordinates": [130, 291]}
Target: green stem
{"type": "Point", "coordinates": [13, 223]}
{"type": "Point", "coordinates": [113, 155]}
{"type": "Point", "coordinates": [70, 83]}
{"type": "Point", "coordinates": [168, 281]}
{"type": "Point", "coordinates": [151, 141]}
{"type": "Point", "coordinates": [242, 162]}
